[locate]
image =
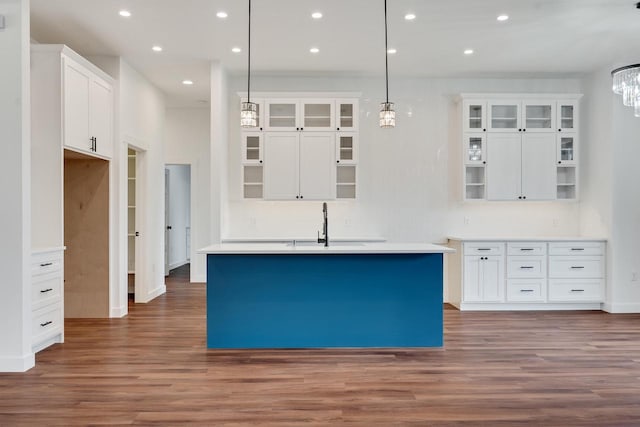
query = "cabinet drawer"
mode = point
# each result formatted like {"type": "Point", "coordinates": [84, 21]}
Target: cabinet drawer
{"type": "Point", "coordinates": [47, 322]}
{"type": "Point", "coordinates": [576, 248]}
{"type": "Point", "coordinates": [46, 290]}
{"type": "Point", "coordinates": [526, 248]}
{"type": "Point", "coordinates": [484, 248]}
{"type": "Point", "coordinates": [570, 290]}
{"type": "Point", "coordinates": [565, 267]}
{"type": "Point", "coordinates": [519, 267]}
{"type": "Point", "coordinates": [526, 290]}
{"type": "Point", "coordinates": [45, 263]}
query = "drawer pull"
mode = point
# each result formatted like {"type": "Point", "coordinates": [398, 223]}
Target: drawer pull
{"type": "Point", "coordinates": [526, 267]}
{"type": "Point", "coordinates": [577, 249]}
{"type": "Point", "coordinates": [46, 264]}
{"type": "Point", "coordinates": [46, 323]}
{"type": "Point", "coordinates": [526, 249]}
{"type": "Point", "coordinates": [577, 290]}
{"type": "Point", "coordinates": [44, 291]}
{"type": "Point", "coordinates": [577, 267]}
{"type": "Point", "coordinates": [484, 249]}
{"type": "Point", "coordinates": [526, 290]}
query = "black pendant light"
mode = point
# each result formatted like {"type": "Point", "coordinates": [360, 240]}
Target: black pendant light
{"type": "Point", "coordinates": [249, 110]}
{"type": "Point", "coordinates": [387, 113]}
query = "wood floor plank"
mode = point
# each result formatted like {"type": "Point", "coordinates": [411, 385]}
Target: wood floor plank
{"type": "Point", "coordinates": [496, 369]}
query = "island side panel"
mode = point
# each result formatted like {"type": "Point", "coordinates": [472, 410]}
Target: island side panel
{"type": "Point", "coordinates": [310, 301]}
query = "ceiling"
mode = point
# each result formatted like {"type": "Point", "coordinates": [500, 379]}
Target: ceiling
{"type": "Point", "coordinates": [550, 37]}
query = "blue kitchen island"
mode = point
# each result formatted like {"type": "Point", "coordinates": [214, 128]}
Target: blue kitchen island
{"type": "Point", "coordinates": [345, 295]}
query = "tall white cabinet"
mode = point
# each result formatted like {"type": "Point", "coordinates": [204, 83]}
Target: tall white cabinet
{"type": "Point", "coordinates": [520, 147]}
{"type": "Point", "coordinates": [304, 147]}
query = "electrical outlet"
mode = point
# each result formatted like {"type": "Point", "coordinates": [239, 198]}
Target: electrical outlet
{"type": "Point", "coordinates": [466, 220]}
{"type": "Point", "coordinates": [634, 276]}
{"type": "Point", "coordinates": [555, 222]}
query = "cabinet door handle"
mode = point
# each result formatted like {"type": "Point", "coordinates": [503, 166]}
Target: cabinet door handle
{"type": "Point", "coordinates": [526, 290]}
{"type": "Point", "coordinates": [44, 291]}
{"type": "Point", "coordinates": [297, 197]}
{"type": "Point", "coordinates": [559, 162]}
{"type": "Point", "coordinates": [302, 197]}
{"type": "Point", "coordinates": [577, 249]}
{"type": "Point", "coordinates": [559, 130]}
{"type": "Point", "coordinates": [526, 267]}
{"type": "Point", "coordinates": [484, 249]}
{"type": "Point", "coordinates": [524, 130]}
{"type": "Point", "coordinates": [260, 161]}
{"type": "Point", "coordinates": [484, 130]}
{"type": "Point", "coordinates": [577, 267]}
{"type": "Point", "coordinates": [46, 264]}
{"type": "Point", "coordinates": [526, 249]}
{"type": "Point", "coordinates": [337, 161]}
{"type": "Point", "coordinates": [577, 290]}
{"type": "Point", "coordinates": [337, 128]}
{"type": "Point", "coordinates": [46, 323]}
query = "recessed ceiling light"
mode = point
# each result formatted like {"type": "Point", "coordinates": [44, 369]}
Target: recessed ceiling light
{"type": "Point", "coordinates": [314, 50]}
{"type": "Point", "coordinates": [503, 17]}
{"type": "Point", "coordinates": [222, 14]}
{"type": "Point", "coordinates": [391, 51]}
{"type": "Point", "coordinates": [125, 13]}
{"type": "Point", "coordinates": [187, 82]}
{"type": "Point", "coordinates": [410, 16]}
{"type": "Point", "coordinates": [316, 15]}
{"type": "Point", "coordinates": [157, 48]}
{"type": "Point", "coordinates": [468, 51]}
{"type": "Point", "coordinates": [236, 50]}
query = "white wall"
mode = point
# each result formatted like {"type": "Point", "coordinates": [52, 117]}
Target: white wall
{"type": "Point", "coordinates": [15, 210]}
{"type": "Point", "coordinates": [187, 143]}
{"type": "Point", "coordinates": [409, 177]}
{"type": "Point", "coordinates": [179, 213]}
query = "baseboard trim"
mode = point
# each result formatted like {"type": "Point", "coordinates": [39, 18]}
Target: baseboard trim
{"type": "Point", "coordinates": [178, 264]}
{"type": "Point", "coordinates": [17, 364]}
{"type": "Point", "coordinates": [528, 306]}
{"type": "Point", "coordinates": [621, 307]}
{"type": "Point", "coordinates": [117, 312]}
{"type": "Point", "coordinates": [156, 293]}
{"type": "Point", "coordinates": [199, 278]}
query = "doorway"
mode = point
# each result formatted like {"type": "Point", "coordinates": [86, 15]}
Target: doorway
{"type": "Point", "coordinates": [177, 217]}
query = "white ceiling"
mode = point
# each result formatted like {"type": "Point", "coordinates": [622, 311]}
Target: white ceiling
{"type": "Point", "coordinates": [542, 36]}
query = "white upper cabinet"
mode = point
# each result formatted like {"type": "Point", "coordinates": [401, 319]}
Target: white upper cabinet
{"type": "Point", "coordinates": [567, 116]}
{"type": "Point", "coordinates": [474, 116]}
{"type": "Point", "coordinates": [317, 115]}
{"type": "Point", "coordinates": [504, 169]}
{"type": "Point", "coordinates": [566, 148]}
{"type": "Point", "coordinates": [346, 148]}
{"type": "Point", "coordinates": [282, 166]}
{"type": "Point", "coordinates": [539, 116]}
{"type": "Point", "coordinates": [347, 114]}
{"type": "Point", "coordinates": [504, 116]}
{"type": "Point", "coordinates": [538, 168]}
{"type": "Point", "coordinates": [252, 147]}
{"type": "Point", "coordinates": [282, 115]}
{"type": "Point", "coordinates": [317, 166]}
{"type": "Point", "coordinates": [88, 110]}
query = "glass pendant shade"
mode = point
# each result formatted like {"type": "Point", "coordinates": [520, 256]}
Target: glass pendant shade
{"type": "Point", "coordinates": [626, 82]}
{"type": "Point", "coordinates": [249, 115]}
{"type": "Point", "coordinates": [387, 115]}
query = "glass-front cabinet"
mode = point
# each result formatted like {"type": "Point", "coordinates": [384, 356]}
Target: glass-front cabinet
{"type": "Point", "coordinates": [475, 152]}
{"type": "Point", "coordinates": [566, 149]}
{"type": "Point", "coordinates": [474, 116]}
{"type": "Point", "coordinates": [347, 114]}
{"type": "Point", "coordinates": [539, 116]}
{"type": "Point", "coordinates": [504, 116]}
{"type": "Point", "coordinates": [282, 115]}
{"type": "Point", "coordinates": [252, 147]}
{"type": "Point", "coordinates": [317, 114]}
{"type": "Point", "coordinates": [475, 149]}
{"type": "Point", "coordinates": [346, 146]}
{"type": "Point", "coordinates": [567, 116]}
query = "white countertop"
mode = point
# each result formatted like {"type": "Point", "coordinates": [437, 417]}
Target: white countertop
{"type": "Point", "coordinates": [334, 248]}
{"type": "Point", "coordinates": [298, 239]}
{"type": "Point", "coordinates": [528, 239]}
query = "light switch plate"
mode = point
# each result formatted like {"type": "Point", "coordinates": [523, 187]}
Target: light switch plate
{"type": "Point", "coordinates": [1, 22]}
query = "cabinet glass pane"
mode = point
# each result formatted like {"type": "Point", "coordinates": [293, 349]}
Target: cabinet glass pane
{"type": "Point", "coordinates": [474, 151]}
{"type": "Point", "coordinates": [253, 148]}
{"type": "Point", "coordinates": [566, 176]}
{"type": "Point", "coordinates": [475, 116]}
{"type": "Point", "coordinates": [504, 116]}
{"type": "Point", "coordinates": [566, 117]}
{"type": "Point", "coordinates": [346, 175]}
{"type": "Point", "coordinates": [253, 174]}
{"type": "Point", "coordinates": [346, 115]}
{"type": "Point", "coordinates": [282, 115]}
{"type": "Point", "coordinates": [538, 117]}
{"type": "Point", "coordinates": [317, 115]}
{"type": "Point", "coordinates": [131, 220]}
{"type": "Point", "coordinates": [566, 148]}
{"type": "Point", "coordinates": [474, 175]}
{"type": "Point", "coordinates": [346, 148]}
{"type": "Point", "coordinates": [475, 192]}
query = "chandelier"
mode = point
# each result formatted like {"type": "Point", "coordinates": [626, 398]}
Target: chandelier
{"type": "Point", "coordinates": [626, 82]}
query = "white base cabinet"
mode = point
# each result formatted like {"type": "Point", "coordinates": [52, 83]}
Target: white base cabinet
{"type": "Point", "coordinates": [526, 275]}
{"type": "Point", "coordinates": [47, 291]}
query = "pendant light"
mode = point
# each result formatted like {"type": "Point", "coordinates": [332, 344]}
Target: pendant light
{"type": "Point", "coordinates": [249, 110]}
{"type": "Point", "coordinates": [387, 113]}
{"type": "Point", "coordinates": [626, 82]}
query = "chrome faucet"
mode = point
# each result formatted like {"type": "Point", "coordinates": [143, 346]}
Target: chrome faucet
{"type": "Point", "coordinates": [325, 227]}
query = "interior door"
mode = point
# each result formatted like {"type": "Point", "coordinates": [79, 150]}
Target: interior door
{"type": "Point", "coordinates": [101, 116]}
{"type": "Point", "coordinates": [281, 166]}
{"type": "Point", "coordinates": [539, 166]}
{"type": "Point", "coordinates": [167, 220]}
{"type": "Point", "coordinates": [317, 166]}
{"type": "Point", "coordinates": [504, 166]}
{"type": "Point", "coordinates": [77, 82]}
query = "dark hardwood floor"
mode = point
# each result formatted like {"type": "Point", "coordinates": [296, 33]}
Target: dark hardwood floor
{"type": "Point", "coordinates": [496, 369]}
